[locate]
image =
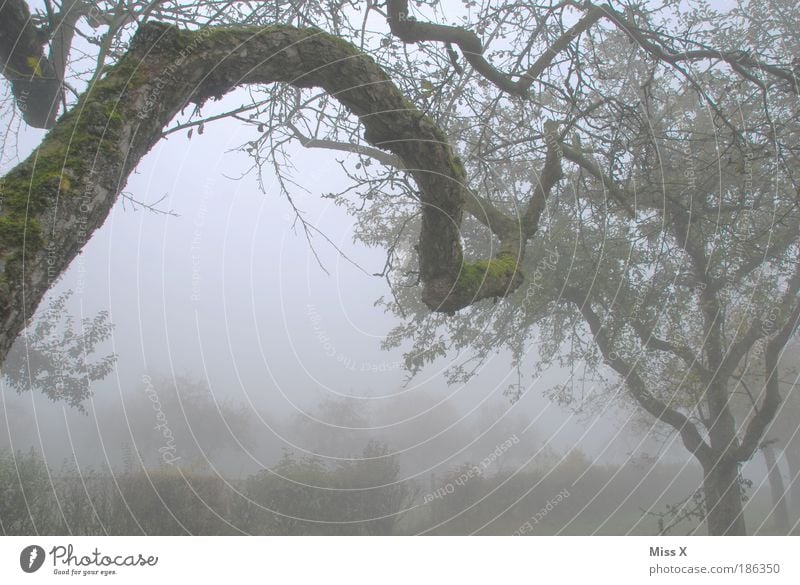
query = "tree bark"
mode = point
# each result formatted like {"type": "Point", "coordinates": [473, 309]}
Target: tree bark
{"type": "Point", "coordinates": [780, 511]}
{"type": "Point", "coordinates": [792, 455]}
{"type": "Point", "coordinates": [35, 83]}
{"type": "Point", "coordinates": [724, 510]}
{"type": "Point", "coordinates": [51, 203]}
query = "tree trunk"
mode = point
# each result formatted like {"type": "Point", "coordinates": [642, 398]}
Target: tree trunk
{"type": "Point", "coordinates": [792, 454]}
{"type": "Point", "coordinates": [780, 512]}
{"type": "Point", "coordinates": [724, 515]}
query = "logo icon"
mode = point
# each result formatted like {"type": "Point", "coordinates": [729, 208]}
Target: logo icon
{"type": "Point", "coordinates": [31, 558]}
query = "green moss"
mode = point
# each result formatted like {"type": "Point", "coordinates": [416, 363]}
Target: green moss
{"type": "Point", "coordinates": [66, 154]}
{"type": "Point", "coordinates": [226, 37]}
{"type": "Point", "coordinates": [14, 230]}
{"type": "Point", "coordinates": [475, 274]}
{"type": "Point", "coordinates": [457, 165]}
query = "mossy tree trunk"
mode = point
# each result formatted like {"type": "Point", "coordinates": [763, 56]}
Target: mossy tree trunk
{"type": "Point", "coordinates": [723, 497]}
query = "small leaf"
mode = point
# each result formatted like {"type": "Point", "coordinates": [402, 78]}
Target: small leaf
{"type": "Point", "coordinates": [189, 134]}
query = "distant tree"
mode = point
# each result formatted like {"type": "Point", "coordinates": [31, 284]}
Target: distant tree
{"type": "Point", "coordinates": [305, 496]}
{"type": "Point", "coordinates": [26, 494]}
{"type": "Point", "coordinates": [179, 421]}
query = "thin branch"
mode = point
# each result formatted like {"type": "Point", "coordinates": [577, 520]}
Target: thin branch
{"type": "Point", "coordinates": [658, 409]}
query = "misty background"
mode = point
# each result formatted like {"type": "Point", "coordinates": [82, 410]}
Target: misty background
{"type": "Point", "coordinates": [225, 322]}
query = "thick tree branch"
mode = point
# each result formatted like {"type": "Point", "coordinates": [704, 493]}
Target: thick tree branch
{"type": "Point", "coordinates": [63, 27]}
{"type": "Point", "coordinates": [620, 195]}
{"type": "Point", "coordinates": [721, 423]}
{"type": "Point", "coordinates": [408, 30]}
{"type": "Point", "coordinates": [34, 81]}
{"type": "Point", "coordinates": [479, 207]}
{"type": "Point", "coordinates": [650, 341]}
{"type": "Point", "coordinates": [739, 61]}
{"type": "Point", "coordinates": [739, 348]}
{"type": "Point", "coordinates": [502, 274]}
{"type": "Point", "coordinates": [53, 201]}
{"type": "Point", "coordinates": [592, 15]}
{"type": "Point", "coordinates": [551, 174]}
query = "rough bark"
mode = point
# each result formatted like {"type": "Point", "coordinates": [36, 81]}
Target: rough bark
{"type": "Point", "coordinates": [55, 200]}
{"type": "Point", "coordinates": [780, 511]}
{"type": "Point", "coordinates": [34, 81]}
{"type": "Point", "coordinates": [724, 511]}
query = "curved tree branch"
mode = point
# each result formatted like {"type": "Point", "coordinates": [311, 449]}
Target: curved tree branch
{"type": "Point", "coordinates": [740, 61]}
{"type": "Point", "coordinates": [408, 30]}
{"type": "Point", "coordinates": [55, 200]}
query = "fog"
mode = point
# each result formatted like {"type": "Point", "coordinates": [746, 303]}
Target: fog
{"type": "Point", "coordinates": [251, 347]}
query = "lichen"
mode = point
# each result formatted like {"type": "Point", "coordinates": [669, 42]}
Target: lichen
{"type": "Point", "coordinates": [457, 165]}
{"type": "Point", "coordinates": [475, 275]}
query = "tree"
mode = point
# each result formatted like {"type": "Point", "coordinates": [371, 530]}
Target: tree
{"type": "Point", "coordinates": [480, 121]}
{"type": "Point", "coordinates": [695, 283]}
{"type": "Point", "coordinates": [28, 505]}
{"type": "Point", "coordinates": [179, 421]}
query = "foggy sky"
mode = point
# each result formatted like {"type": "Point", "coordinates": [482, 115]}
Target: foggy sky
{"type": "Point", "coordinates": [226, 293]}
